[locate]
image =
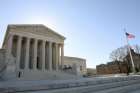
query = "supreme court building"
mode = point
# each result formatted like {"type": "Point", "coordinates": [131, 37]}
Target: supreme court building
{"type": "Point", "coordinates": [38, 51]}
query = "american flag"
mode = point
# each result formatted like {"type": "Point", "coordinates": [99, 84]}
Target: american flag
{"type": "Point", "coordinates": [129, 35]}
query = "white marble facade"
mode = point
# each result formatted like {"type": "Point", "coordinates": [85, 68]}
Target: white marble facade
{"type": "Point", "coordinates": [38, 52]}
{"type": "Point", "coordinates": [35, 47]}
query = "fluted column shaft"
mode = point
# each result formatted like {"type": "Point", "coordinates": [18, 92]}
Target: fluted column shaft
{"type": "Point", "coordinates": [62, 55]}
{"type": "Point", "coordinates": [43, 55]}
{"type": "Point", "coordinates": [27, 53]}
{"type": "Point", "coordinates": [56, 53]}
{"type": "Point", "coordinates": [35, 54]}
{"type": "Point", "coordinates": [18, 54]}
{"type": "Point", "coordinates": [50, 56]}
{"type": "Point", "coordinates": [59, 59]}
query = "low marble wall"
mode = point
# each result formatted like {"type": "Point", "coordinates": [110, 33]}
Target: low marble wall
{"type": "Point", "coordinates": [45, 75]}
{"type": "Point", "coordinates": [7, 65]}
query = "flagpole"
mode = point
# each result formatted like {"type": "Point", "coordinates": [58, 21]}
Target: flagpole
{"type": "Point", "coordinates": [132, 61]}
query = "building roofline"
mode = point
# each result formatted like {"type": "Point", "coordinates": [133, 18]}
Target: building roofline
{"type": "Point", "coordinates": [75, 58]}
{"type": "Point", "coordinates": [29, 25]}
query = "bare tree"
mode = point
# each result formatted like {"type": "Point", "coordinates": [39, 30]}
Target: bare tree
{"type": "Point", "coordinates": [119, 53]}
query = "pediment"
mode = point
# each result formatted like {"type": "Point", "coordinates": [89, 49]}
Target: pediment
{"type": "Point", "coordinates": [38, 29]}
{"type": "Point", "coordinates": [33, 29]}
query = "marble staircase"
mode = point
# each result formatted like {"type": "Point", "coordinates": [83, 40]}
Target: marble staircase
{"type": "Point", "coordinates": [87, 85]}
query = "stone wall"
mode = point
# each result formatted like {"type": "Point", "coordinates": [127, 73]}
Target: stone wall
{"type": "Point", "coordinates": [91, 71]}
{"type": "Point", "coordinates": [2, 61]}
{"type": "Point", "coordinates": [7, 65]}
{"type": "Point", "coordinates": [112, 68]}
{"type": "Point", "coordinates": [75, 65]}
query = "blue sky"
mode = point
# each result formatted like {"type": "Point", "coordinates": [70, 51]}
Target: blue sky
{"type": "Point", "coordinates": [93, 28]}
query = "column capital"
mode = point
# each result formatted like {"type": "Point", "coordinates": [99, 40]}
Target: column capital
{"type": "Point", "coordinates": [35, 39]}
{"type": "Point", "coordinates": [50, 43]}
{"type": "Point", "coordinates": [11, 34]}
{"type": "Point", "coordinates": [28, 37]}
{"type": "Point", "coordinates": [56, 44]}
{"type": "Point", "coordinates": [19, 37]}
{"type": "Point", "coordinates": [44, 41]}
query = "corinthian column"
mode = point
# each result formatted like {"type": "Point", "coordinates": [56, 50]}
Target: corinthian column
{"type": "Point", "coordinates": [35, 54]}
{"type": "Point", "coordinates": [59, 59]}
{"type": "Point", "coordinates": [27, 53]}
{"type": "Point", "coordinates": [50, 56]}
{"type": "Point", "coordinates": [62, 55]}
{"type": "Point", "coordinates": [18, 54]}
{"type": "Point", "coordinates": [43, 55]}
{"type": "Point", "coordinates": [56, 55]}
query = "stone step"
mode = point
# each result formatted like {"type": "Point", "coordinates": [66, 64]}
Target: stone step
{"type": "Point", "coordinates": [94, 89]}
{"type": "Point", "coordinates": [69, 86]}
{"type": "Point", "coordinates": [121, 89]}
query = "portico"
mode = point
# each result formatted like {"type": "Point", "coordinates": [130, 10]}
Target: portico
{"type": "Point", "coordinates": [35, 48]}
{"type": "Point", "coordinates": [36, 52]}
